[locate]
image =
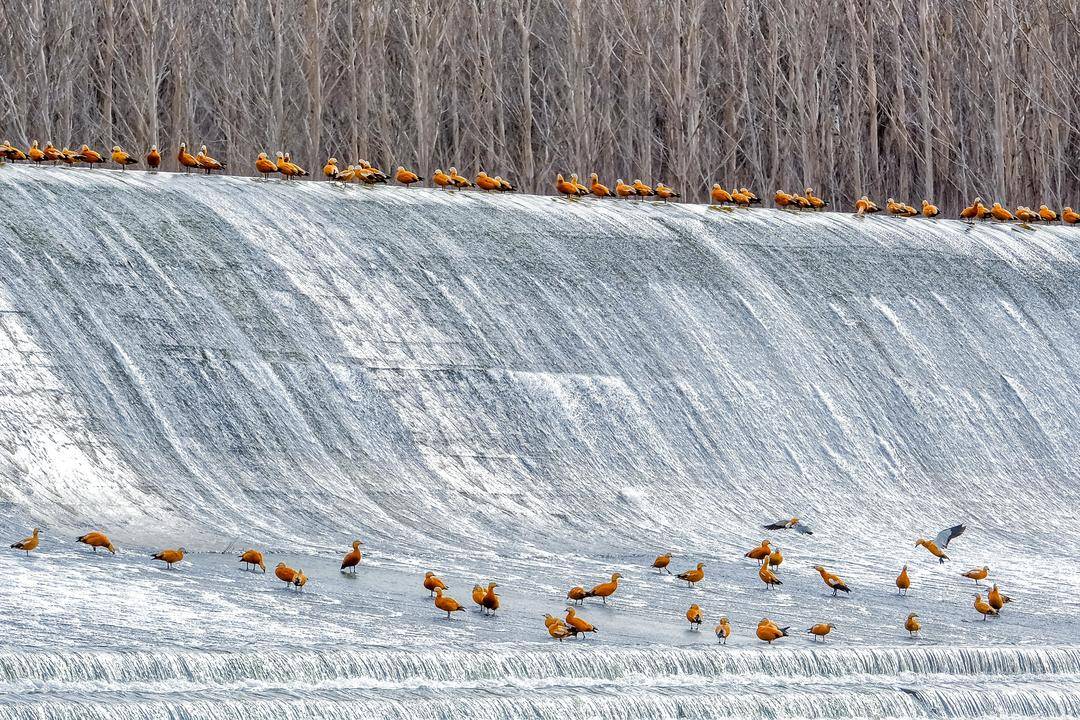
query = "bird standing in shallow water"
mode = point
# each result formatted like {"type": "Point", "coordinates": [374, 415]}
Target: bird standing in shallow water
{"type": "Point", "coordinates": [97, 539]}
{"type": "Point", "coordinates": [768, 631]}
{"type": "Point", "coordinates": [170, 557]}
{"type": "Point", "coordinates": [983, 606]}
{"type": "Point", "coordinates": [820, 631]}
{"type": "Point", "coordinates": [447, 604]}
{"type": "Point", "coordinates": [605, 590]}
{"type": "Point", "coordinates": [285, 574]}
{"type": "Point", "coordinates": [581, 625]}
{"type": "Point", "coordinates": [996, 599]}
{"type": "Point", "coordinates": [977, 574]}
{"type": "Point", "coordinates": [912, 625]}
{"type": "Point", "coordinates": [432, 583]}
{"type": "Point", "coordinates": [694, 617]}
{"type": "Point", "coordinates": [30, 543]}
{"type": "Point", "coordinates": [253, 558]}
{"type": "Point", "coordinates": [832, 581]}
{"type": "Point", "coordinates": [353, 557]}
{"type": "Point", "coordinates": [153, 158]}
{"type": "Point", "coordinates": [903, 582]}
{"type": "Point", "coordinates": [478, 593]}
{"type": "Point", "coordinates": [768, 576]}
{"type": "Point", "coordinates": [576, 594]}
{"type": "Point", "coordinates": [693, 577]}
{"type": "Point", "coordinates": [661, 563]}
{"type": "Point", "coordinates": [723, 630]}
{"type": "Point", "coordinates": [491, 600]}
{"type": "Point", "coordinates": [761, 552]}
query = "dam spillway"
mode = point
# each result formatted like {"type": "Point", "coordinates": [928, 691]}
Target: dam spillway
{"type": "Point", "coordinates": [518, 384]}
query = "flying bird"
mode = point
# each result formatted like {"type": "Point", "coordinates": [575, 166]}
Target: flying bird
{"type": "Point", "coordinates": [790, 524]}
{"type": "Point", "coordinates": [936, 547]}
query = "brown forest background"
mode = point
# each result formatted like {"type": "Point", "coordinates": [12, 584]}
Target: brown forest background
{"type": "Point", "coordinates": [913, 98]}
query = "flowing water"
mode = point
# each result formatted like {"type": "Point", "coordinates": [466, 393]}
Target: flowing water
{"type": "Point", "coordinates": [536, 393]}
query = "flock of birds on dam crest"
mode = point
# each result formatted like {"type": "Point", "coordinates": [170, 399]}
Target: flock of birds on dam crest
{"type": "Point", "coordinates": [364, 173]}
{"type": "Point", "coordinates": [766, 554]}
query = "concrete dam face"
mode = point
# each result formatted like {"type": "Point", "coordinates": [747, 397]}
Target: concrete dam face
{"type": "Point", "coordinates": [537, 393]}
{"type": "Point", "coordinates": [267, 359]}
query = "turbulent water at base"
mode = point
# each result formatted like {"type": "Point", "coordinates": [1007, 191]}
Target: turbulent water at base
{"type": "Point", "coordinates": [538, 392]}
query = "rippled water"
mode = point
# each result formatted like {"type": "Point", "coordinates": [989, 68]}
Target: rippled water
{"type": "Point", "coordinates": [537, 393]}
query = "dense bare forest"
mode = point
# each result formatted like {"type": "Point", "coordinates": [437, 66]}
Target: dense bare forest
{"type": "Point", "coordinates": [913, 98]}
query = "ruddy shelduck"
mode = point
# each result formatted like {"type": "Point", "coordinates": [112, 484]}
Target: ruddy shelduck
{"type": "Point", "coordinates": [820, 630]}
{"type": "Point", "coordinates": [170, 557]}
{"type": "Point", "coordinates": [459, 181]}
{"type": "Point", "coordinates": [929, 210]}
{"type": "Point", "coordinates": [912, 625]}
{"type": "Point", "coordinates": [790, 524]}
{"type": "Point", "coordinates": [761, 552]}
{"type": "Point", "coordinates": [330, 169]}
{"type": "Point", "coordinates": [556, 628]}
{"type": "Point", "coordinates": [97, 539]}
{"type": "Point", "coordinates": [121, 158]}
{"type": "Point", "coordinates": [903, 582]}
{"type": "Point", "coordinates": [153, 158]}
{"type": "Point", "coordinates": [971, 212]}
{"type": "Point", "coordinates": [692, 577]}
{"type": "Point", "coordinates": [768, 631]}
{"type": "Point", "coordinates": [353, 557]}
{"type": "Point", "coordinates": [30, 544]}
{"type": "Point", "coordinates": [208, 163]}
{"type": "Point", "coordinates": [186, 159]}
{"type": "Point", "coordinates": [251, 558]}
{"type": "Point", "coordinates": [719, 195]}
{"type": "Point", "coordinates": [643, 191]}
{"type": "Point", "coordinates": [1001, 214]}
{"type": "Point", "coordinates": [661, 563]}
{"type": "Point", "coordinates": [406, 177]}
{"type": "Point", "coordinates": [441, 179]}
{"type": "Point", "coordinates": [983, 607]}
{"type": "Point", "coordinates": [577, 594]}
{"type": "Point", "coordinates": [816, 203]}
{"type": "Point", "coordinates": [776, 558]}
{"type": "Point", "coordinates": [90, 157]}
{"type": "Point", "coordinates": [433, 583]}
{"type": "Point", "coordinates": [665, 193]}
{"type": "Point", "coordinates": [1070, 216]}
{"type": "Point", "coordinates": [623, 190]}
{"type": "Point", "coordinates": [996, 599]}
{"type": "Point", "coordinates": [265, 165]}
{"type": "Point", "coordinates": [491, 600]}
{"type": "Point", "coordinates": [1047, 215]}
{"type": "Point", "coordinates": [768, 576]}
{"type": "Point", "coordinates": [300, 580]}
{"type": "Point", "coordinates": [485, 182]}
{"type": "Point", "coordinates": [1026, 215]}
{"type": "Point", "coordinates": [446, 603]}
{"type": "Point", "coordinates": [35, 153]}
{"type": "Point", "coordinates": [977, 574]}
{"type": "Point", "coordinates": [51, 153]}
{"type": "Point", "coordinates": [936, 547]}
{"type": "Point", "coordinates": [285, 574]}
{"type": "Point", "coordinates": [565, 187]}
{"type": "Point", "coordinates": [597, 188]}
{"type": "Point", "coordinates": [581, 625]}
{"type": "Point", "coordinates": [694, 617]}
{"type": "Point", "coordinates": [722, 630]}
{"type": "Point", "coordinates": [833, 582]}
{"type": "Point", "coordinates": [478, 593]}
{"type": "Point", "coordinates": [606, 589]}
